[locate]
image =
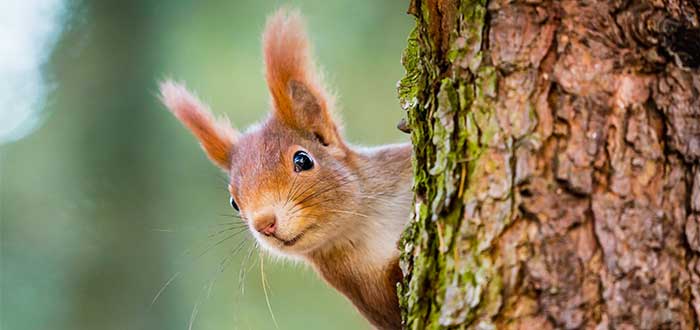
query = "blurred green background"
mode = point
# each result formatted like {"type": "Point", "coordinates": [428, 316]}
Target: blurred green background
{"type": "Point", "coordinates": [109, 197]}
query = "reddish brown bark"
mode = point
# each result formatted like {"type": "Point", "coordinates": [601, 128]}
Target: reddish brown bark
{"type": "Point", "coordinates": [583, 200]}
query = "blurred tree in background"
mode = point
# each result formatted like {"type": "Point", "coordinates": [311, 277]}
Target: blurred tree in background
{"type": "Point", "coordinates": [110, 198]}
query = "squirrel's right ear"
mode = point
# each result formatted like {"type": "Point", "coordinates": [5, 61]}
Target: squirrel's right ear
{"type": "Point", "coordinates": [217, 137]}
{"type": "Point", "coordinates": [298, 97]}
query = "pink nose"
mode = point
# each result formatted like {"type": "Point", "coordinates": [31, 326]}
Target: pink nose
{"type": "Point", "coordinates": [265, 224]}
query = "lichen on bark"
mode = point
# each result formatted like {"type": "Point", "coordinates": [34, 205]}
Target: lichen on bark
{"type": "Point", "coordinates": [447, 111]}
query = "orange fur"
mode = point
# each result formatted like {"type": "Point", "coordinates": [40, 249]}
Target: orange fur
{"type": "Point", "coordinates": [289, 68]}
{"type": "Point", "coordinates": [216, 136]}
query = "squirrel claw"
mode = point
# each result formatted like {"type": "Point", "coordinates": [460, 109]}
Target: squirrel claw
{"type": "Point", "coordinates": [403, 126]}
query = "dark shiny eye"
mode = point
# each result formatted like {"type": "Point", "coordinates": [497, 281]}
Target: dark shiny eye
{"type": "Point", "coordinates": [302, 161]}
{"type": "Point", "coordinates": [233, 204]}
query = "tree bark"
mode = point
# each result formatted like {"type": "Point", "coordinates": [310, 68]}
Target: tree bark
{"type": "Point", "coordinates": [557, 183]}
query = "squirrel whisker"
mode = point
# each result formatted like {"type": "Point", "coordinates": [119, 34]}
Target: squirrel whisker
{"type": "Point", "coordinates": [242, 272]}
{"type": "Point", "coordinates": [289, 192]}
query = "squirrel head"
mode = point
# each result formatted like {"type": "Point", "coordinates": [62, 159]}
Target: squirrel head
{"type": "Point", "coordinates": [292, 177]}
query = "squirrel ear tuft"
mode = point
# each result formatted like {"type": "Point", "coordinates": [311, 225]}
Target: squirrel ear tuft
{"type": "Point", "coordinates": [217, 137]}
{"type": "Point", "coordinates": [298, 97]}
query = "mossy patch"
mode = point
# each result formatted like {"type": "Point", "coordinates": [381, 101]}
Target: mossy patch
{"type": "Point", "coordinates": [450, 113]}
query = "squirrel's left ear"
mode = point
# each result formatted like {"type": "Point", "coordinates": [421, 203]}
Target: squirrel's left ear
{"type": "Point", "coordinates": [298, 97]}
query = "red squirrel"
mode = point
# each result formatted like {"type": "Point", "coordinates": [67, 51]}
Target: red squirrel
{"type": "Point", "coordinates": [304, 192]}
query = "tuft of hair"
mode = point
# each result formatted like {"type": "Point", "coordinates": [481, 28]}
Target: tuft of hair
{"type": "Point", "coordinates": [288, 58]}
{"type": "Point", "coordinates": [216, 136]}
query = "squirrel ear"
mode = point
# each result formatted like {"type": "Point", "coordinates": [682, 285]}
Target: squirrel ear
{"type": "Point", "coordinates": [217, 137]}
{"type": "Point", "coordinates": [298, 97]}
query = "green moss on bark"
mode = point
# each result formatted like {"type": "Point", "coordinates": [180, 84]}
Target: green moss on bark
{"type": "Point", "coordinates": [448, 93]}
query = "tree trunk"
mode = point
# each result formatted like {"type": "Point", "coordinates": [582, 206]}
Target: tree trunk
{"type": "Point", "coordinates": [556, 165]}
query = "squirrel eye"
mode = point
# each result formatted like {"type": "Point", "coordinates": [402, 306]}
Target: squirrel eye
{"type": "Point", "coordinates": [233, 204]}
{"type": "Point", "coordinates": [302, 161]}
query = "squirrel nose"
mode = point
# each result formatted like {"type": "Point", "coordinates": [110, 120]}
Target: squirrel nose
{"type": "Point", "coordinates": [266, 224]}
